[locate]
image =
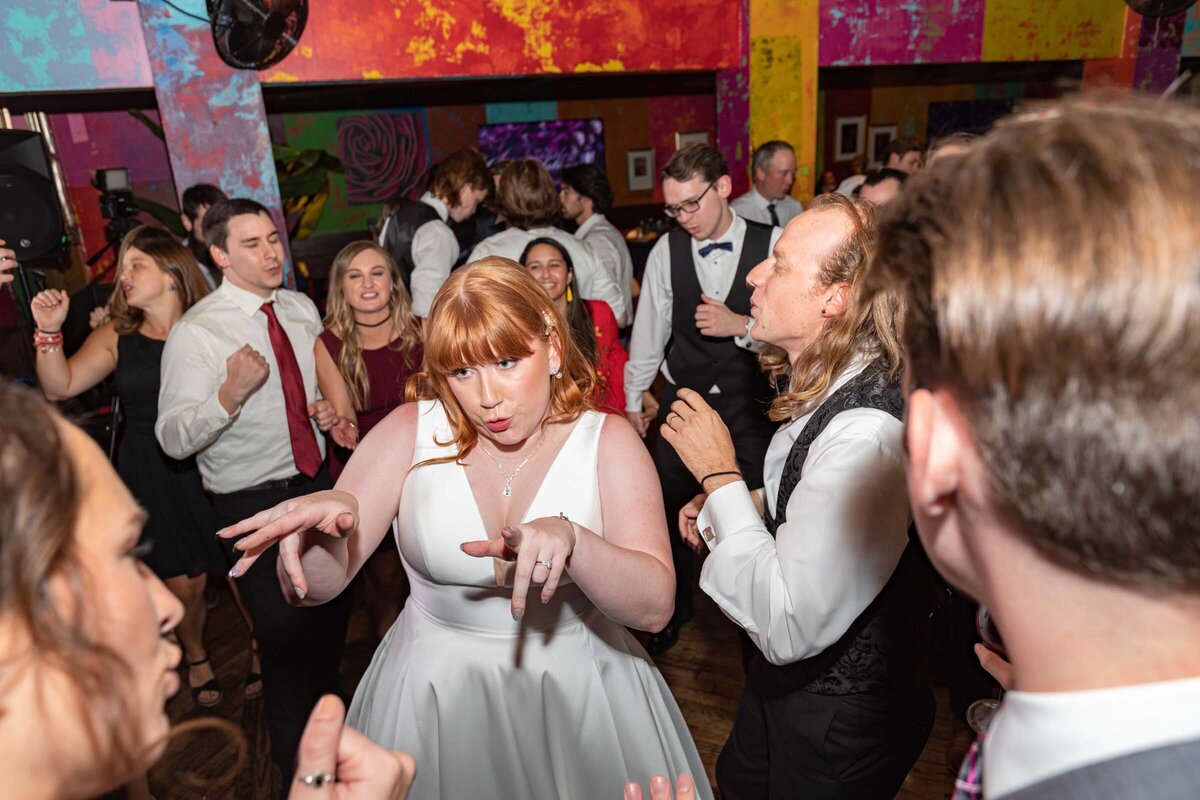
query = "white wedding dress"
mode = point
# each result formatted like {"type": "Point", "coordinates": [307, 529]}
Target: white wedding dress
{"type": "Point", "coordinates": [563, 705]}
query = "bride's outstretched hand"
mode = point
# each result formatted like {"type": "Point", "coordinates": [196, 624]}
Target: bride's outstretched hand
{"type": "Point", "coordinates": [332, 512]}
{"type": "Point", "coordinates": [541, 549]}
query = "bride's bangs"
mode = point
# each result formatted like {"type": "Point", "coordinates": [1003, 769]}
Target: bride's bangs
{"type": "Point", "coordinates": [476, 333]}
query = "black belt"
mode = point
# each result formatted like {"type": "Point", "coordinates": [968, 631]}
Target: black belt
{"type": "Point", "coordinates": [299, 479]}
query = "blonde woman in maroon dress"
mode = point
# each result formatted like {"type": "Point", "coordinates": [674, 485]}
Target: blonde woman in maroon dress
{"type": "Point", "coordinates": [371, 338]}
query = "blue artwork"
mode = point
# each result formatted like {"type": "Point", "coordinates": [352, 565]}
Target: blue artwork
{"type": "Point", "coordinates": [556, 143]}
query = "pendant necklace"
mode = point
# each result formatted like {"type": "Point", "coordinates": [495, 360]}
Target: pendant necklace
{"type": "Point", "coordinates": [508, 479]}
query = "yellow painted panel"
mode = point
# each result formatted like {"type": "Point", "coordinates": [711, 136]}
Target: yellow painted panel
{"type": "Point", "coordinates": [1042, 30]}
{"type": "Point", "coordinates": [783, 100]}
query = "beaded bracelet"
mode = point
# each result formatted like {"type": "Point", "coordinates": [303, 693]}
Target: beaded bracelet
{"type": "Point", "coordinates": [47, 342]}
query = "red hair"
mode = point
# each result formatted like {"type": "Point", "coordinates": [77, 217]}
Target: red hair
{"type": "Point", "coordinates": [486, 311]}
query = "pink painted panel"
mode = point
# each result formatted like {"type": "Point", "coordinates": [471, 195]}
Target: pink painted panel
{"type": "Point", "coordinates": [860, 32]}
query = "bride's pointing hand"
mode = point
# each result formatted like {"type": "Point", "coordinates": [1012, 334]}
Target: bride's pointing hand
{"type": "Point", "coordinates": [333, 513]}
{"type": "Point", "coordinates": [541, 549]}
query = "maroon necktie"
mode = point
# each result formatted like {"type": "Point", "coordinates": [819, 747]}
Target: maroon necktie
{"type": "Point", "coordinates": [304, 445]}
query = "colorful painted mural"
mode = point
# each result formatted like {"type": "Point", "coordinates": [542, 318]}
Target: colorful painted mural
{"type": "Point", "coordinates": [878, 32]}
{"type": "Point", "coordinates": [97, 44]}
{"type": "Point", "coordinates": [78, 44]}
{"type": "Point", "coordinates": [212, 115]}
{"type": "Point", "coordinates": [1191, 33]}
{"type": "Point", "coordinates": [858, 32]}
{"type": "Point", "coordinates": [628, 123]}
{"type": "Point", "coordinates": [109, 140]}
{"type": "Point", "coordinates": [384, 155]}
{"type": "Point", "coordinates": [431, 38]}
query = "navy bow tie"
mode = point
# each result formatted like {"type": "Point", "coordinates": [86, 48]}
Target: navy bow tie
{"type": "Point", "coordinates": [708, 248]}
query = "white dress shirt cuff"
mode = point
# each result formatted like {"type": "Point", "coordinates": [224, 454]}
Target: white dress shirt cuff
{"type": "Point", "coordinates": [727, 512]}
{"type": "Point", "coordinates": [212, 409]}
{"type": "Point", "coordinates": [747, 341]}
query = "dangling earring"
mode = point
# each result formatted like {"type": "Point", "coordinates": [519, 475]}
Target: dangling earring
{"type": "Point", "coordinates": [557, 373]}
{"type": "Point", "coordinates": [569, 297]}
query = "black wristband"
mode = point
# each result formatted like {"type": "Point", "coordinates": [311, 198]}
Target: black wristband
{"type": "Point", "coordinates": [717, 474]}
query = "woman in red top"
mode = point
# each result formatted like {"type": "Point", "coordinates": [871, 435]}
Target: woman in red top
{"type": "Point", "coordinates": [593, 326]}
{"type": "Point", "coordinates": [372, 339]}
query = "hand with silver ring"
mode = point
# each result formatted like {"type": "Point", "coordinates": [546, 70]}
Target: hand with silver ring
{"type": "Point", "coordinates": [337, 761]}
{"type": "Point", "coordinates": [699, 437]}
{"type": "Point", "coordinates": [541, 548]}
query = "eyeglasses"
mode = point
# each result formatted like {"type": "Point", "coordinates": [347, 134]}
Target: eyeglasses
{"type": "Point", "coordinates": [687, 206]}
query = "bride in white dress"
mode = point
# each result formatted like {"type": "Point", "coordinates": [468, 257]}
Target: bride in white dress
{"type": "Point", "coordinates": [532, 531]}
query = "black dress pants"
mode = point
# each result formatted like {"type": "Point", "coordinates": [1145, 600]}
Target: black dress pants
{"type": "Point", "coordinates": [300, 648]}
{"type": "Point", "coordinates": [796, 744]}
{"type": "Point", "coordinates": [751, 431]}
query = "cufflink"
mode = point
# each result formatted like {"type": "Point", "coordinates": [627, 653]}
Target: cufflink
{"type": "Point", "coordinates": [708, 534]}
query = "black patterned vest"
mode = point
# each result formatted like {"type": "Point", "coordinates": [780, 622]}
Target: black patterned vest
{"type": "Point", "coordinates": [883, 651]}
{"type": "Point", "coordinates": [401, 229]}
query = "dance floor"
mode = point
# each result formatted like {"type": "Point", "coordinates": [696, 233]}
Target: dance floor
{"type": "Point", "coordinates": [704, 671]}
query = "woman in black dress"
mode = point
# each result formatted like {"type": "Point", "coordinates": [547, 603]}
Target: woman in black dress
{"type": "Point", "coordinates": [158, 279]}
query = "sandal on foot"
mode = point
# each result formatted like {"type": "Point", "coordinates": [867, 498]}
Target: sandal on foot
{"type": "Point", "coordinates": [212, 685]}
{"type": "Point", "coordinates": [251, 691]}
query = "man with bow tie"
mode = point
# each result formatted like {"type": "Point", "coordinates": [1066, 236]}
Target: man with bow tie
{"type": "Point", "coordinates": [693, 323]}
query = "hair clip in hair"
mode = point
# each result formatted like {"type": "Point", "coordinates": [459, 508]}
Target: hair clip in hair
{"type": "Point", "coordinates": [549, 320]}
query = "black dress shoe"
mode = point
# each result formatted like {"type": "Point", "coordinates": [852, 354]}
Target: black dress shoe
{"type": "Point", "coordinates": [664, 640]}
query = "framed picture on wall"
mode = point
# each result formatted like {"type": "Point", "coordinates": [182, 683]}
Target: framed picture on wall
{"type": "Point", "coordinates": [639, 165]}
{"type": "Point", "coordinates": [878, 140]}
{"type": "Point", "coordinates": [691, 137]}
{"type": "Point", "coordinates": [850, 134]}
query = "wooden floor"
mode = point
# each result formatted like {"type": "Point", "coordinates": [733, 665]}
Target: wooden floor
{"type": "Point", "coordinates": [703, 670]}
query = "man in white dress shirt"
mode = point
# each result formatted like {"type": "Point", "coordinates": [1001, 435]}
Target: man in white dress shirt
{"type": "Point", "coordinates": [238, 379]}
{"type": "Point", "coordinates": [1053, 444]}
{"type": "Point", "coordinates": [417, 234]}
{"type": "Point", "coordinates": [693, 324]}
{"type": "Point", "coordinates": [770, 201]}
{"type": "Point", "coordinates": [815, 561]}
{"type": "Point", "coordinates": [586, 197]}
{"type": "Point", "coordinates": [529, 204]}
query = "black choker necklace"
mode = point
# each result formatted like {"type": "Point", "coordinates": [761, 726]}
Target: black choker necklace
{"type": "Point", "coordinates": [372, 324]}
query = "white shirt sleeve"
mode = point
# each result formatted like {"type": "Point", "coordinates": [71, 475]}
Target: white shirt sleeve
{"type": "Point", "coordinates": [847, 525]}
{"type": "Point", "coordinates": [434, 251]}
{"type": "Point", "coordinates": [595, 283]}
{"type": "Point", "coordinates": [651, 327]}
{"type": "Point", "coordinates": [747, 341]}
{"type": "Point", "coordinates": [484, 249]}
{"type": "Point", "coordinates": [190, 417]}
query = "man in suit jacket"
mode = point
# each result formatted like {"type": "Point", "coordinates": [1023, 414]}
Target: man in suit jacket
{"type": "Point", "coordinates": [1052, 434]}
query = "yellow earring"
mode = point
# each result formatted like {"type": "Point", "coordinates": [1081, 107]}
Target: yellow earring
{"type": "Point", "coordinates": [569, 298]}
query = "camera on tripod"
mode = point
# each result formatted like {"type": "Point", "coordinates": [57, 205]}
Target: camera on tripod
{"type": "Point", "coordinates": [116, 203]}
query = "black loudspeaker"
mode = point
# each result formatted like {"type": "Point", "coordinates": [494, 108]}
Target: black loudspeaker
{"type": "Point", "coordinates": [31, 221]}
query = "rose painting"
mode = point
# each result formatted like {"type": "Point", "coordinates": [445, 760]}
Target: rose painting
{"type": "Point", "coordinates": [384, 155]}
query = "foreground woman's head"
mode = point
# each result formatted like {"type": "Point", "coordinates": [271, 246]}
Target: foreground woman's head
{"type": "Point", "coordinates": [494, 344]}
{"type": "Point", "coordinates": [85, 669]}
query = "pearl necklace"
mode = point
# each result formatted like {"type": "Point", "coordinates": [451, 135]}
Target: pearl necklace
{"type": "Point", "coordinates": [508, 479]}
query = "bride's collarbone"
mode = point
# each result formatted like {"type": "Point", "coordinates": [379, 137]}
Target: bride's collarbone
{"type": "Point", "coordinates": [488, 482]}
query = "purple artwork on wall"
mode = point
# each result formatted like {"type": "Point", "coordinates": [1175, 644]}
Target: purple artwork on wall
{"type": "Point", "coordinates": [384, 155]}
{"type": "Point", "coordinates": [557, 143]}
